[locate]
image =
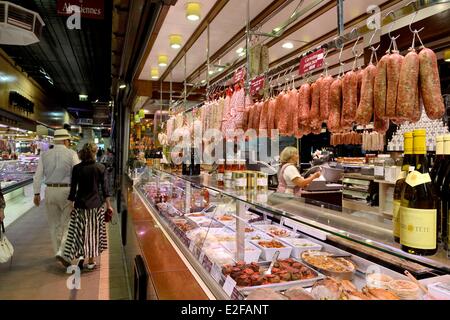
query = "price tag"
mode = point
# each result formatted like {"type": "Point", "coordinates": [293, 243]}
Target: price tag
{"type": "Point", "coordinates": [312, 61]}
{"type": "Point", "coordinates": [239, 75]}
{"type": "Point", "coordinates": [229, 286]}
{"type": "Point", "coordinates": [236, 295]}
{"type": "Point", "coordinates": [201, 257]}
{"type": "Point", "coordinates": [207, 264]}
{"type": "Point", "coordinates": [192, 246]}
{"type": "Point", "coordinates": [256, 84]}
{"type": "Point", "coordinates": [216, 272]}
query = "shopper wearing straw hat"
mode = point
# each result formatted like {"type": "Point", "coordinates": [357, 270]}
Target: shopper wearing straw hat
{"type": "Point", "coordinates": [55, 169]}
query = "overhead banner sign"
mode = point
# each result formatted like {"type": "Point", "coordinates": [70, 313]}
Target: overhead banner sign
{"type": "Point", "coordinates": [312, 61]}
{"type": "Point", "coordinates": [90, 9]}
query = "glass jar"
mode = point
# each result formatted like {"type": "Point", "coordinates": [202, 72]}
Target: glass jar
{"type": "Point", "coordinates": [379, 166]}
{"type": "Point", "coordinates": [390, 170]}
{"type": "Point", "coordinates": [229, 165]}
{"type": "Point", "coordinates": [262, 181]}
{"type": "Point", "coordinates": [242, 165]}
{"type": "Point", "coordinates": [240, 180]}
{"type": "Point", "coordinates": [252, 177]}
{"type": "Point", "coordinates": [220, 172]}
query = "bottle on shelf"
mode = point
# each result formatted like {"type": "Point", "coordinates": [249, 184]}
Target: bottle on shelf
{"type": "Point", "coordinates": [440, 180]}
{"type": "Point", "coordinates": [418, 212]}
{"type": "Point", "coordinates": [444, 203]}
{"type": "Point", "coordinates": [408, 161]}
{"type": "Point", "coordinates": [439, 158]}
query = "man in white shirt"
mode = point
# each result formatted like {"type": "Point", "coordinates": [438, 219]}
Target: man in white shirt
{"type": "Point", "coordinates": [55, 168]}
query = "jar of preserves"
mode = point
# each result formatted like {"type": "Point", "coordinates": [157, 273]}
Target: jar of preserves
{"type": "Point", "coordinates": [241, 165]}
{"type": "Point", "coordinates": [229, 165]}
{"type": "Point", "coordinates": [390, 170]}
{"type": "Point", "coordinates": [262, 181]}
{"type": "Point", "coordinates": [252, 178]}
{"type": "Point", "coordinates": [239, 180]}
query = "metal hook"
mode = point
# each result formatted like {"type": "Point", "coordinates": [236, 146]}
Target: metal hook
{"type": "Point", "coordinates": [371, 41]}
{"type": "Point", "coordinates": [392, 24]}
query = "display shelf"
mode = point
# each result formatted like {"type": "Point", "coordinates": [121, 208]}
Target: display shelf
{"type": "Point", "coordinates": [211, 244]}
{"type": "Point", "coordinates": [385, 182]}
{"type": "Point", "coordinates": [361, 226]}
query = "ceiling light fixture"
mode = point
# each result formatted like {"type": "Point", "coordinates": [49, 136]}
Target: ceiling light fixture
{"type": "Point", "coordinates": [193, 11]}
{"type": "Point", "coordinates": [447, 55]}
{"type": "Point", "coordinates": [163, 60]}
{"type": "Point", "coordinates": [288, 45]}
{"type": "Point", "coordinates": [175, 41]}
{"type": "Point", "coordinates": [154, 73]}
{"type": "Point", "coordinates": [83, 97]}
{"type": "Point", "coordinates": [122, 86]}
{"type": "Point", "coordinates": [240, 50]}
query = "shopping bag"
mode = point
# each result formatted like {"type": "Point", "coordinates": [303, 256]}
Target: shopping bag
{"type": "Point", "coordinates": [6, 248]}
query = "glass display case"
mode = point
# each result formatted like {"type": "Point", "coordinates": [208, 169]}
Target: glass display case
{"type": "Point", "coordinates": [230, 238]}
{"type": "Point", "coordinates": [15, 174]}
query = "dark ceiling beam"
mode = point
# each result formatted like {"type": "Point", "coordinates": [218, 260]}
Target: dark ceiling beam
{"type": "Point", "coordinates": [212, 14]}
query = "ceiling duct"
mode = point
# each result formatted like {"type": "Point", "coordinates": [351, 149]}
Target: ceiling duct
{"type": "Point", "coordinates": [19, 26]}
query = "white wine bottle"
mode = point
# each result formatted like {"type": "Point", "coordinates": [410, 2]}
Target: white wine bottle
{"type": "Point", "coordinates": [408, 162]}
{"type": "Point", "coordinates": [418, 212]}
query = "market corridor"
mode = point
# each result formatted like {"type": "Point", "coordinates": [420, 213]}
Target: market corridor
{"type": "Point", "coordinates": [35, 275]}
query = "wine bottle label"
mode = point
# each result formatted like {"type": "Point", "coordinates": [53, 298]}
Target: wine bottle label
{"type": "Point", "coordinates": [396, 218]}
{"type": "Point", "coordinates": [241, 182]}
{"type": "Point", "coordinates": [402, 175]}
{"type": "Point", "coordinates": [416, 178]}
{"type": "Point", "coordinates": [220, 177]}
{"type": "Point", "coordinates": [418, 228]}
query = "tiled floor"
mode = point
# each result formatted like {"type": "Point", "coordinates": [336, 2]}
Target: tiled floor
{"type": "Point", "coordinates": [34, 273]}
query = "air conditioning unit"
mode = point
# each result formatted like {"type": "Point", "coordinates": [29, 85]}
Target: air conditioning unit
{"type": "Point", "coordinates": [19, 26]}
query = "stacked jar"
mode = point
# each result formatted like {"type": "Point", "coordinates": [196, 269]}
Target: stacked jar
{"type": "Point", "coordinates": [220, 172]}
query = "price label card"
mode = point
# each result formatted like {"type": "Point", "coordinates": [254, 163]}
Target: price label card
{"type": "Point", "coordinates": [256, 84]}
{"type": "Point", "coordinates": [192, 246]}
{"type": "Point", "coordinates": [229, 286]}
{"type": "Point", "coordinates": [207, 264]}
{"type": "Point", "coordinates": [216, 272]}
{"type": "Point", "coordinates": [239, 75]}
{"type": "Point", "coordinates": [201, 257]}
{"type": "Point", "coordinates": [312, 61]}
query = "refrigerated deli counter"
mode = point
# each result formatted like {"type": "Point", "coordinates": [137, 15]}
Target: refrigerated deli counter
{"type": "Point", "coordinates": [227, 239]}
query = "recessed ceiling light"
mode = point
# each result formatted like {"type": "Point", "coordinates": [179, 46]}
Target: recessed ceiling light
{"type": "Point", "coordinates": [203, 81]}
{"type": "Point", "coordinates": [210, 72]}
{"type": "Point", "coordinates": [122, 86]}
{"type": "Point", "coordinates": [220, 69]}
{"type": "Point", "coordinates": [240, 50]}
{"type": "Point", "coordinates": [193, 11]}
{"type": "Point", "coordinates": [288, 45]}
{"type": "Point", "coordinates": [241, 54]}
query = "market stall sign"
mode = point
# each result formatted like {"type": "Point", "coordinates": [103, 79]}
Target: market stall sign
{"type": "Point", "coordinates": [256, 84]}
{"type": "Point", "coordinates": [239, 75]}
{"type": "Point", "coordinates": [312, 61]}
{"type": "Point", "coordinates": [90, 9]}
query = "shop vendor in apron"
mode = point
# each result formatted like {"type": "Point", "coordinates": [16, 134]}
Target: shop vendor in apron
{"type": "Point", "coordinates": [289, 178]}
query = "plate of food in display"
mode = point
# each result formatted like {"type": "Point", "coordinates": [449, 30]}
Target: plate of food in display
{"type": "Point", "coordinates": [276, 231]}
{"type": "Point", "coordinates": [336, 267]}
{"type": "Point", "coordinates": [286, 273]}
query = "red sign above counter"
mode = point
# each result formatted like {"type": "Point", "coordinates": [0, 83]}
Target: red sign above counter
{"type": "Point", "coordinates": [312, 61]}
{"type": "Point", "coordinates": [91, 9]}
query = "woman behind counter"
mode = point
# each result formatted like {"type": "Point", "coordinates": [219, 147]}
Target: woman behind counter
{"type": "Point", "coordinates": [289, 178]}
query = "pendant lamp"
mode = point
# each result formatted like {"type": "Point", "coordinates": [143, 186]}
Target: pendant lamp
{"type": "Point", "coordinates": [154, 73]}
{"type": "Point", "coordinates": [193, 11]}
{"type": "Point", "coordinates": [163, 60]}
{"type": "Point", "coordinates": [175, 41]}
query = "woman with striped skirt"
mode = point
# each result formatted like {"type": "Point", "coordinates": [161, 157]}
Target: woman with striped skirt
{"type": "Point", "coordinates": [86, 236]}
